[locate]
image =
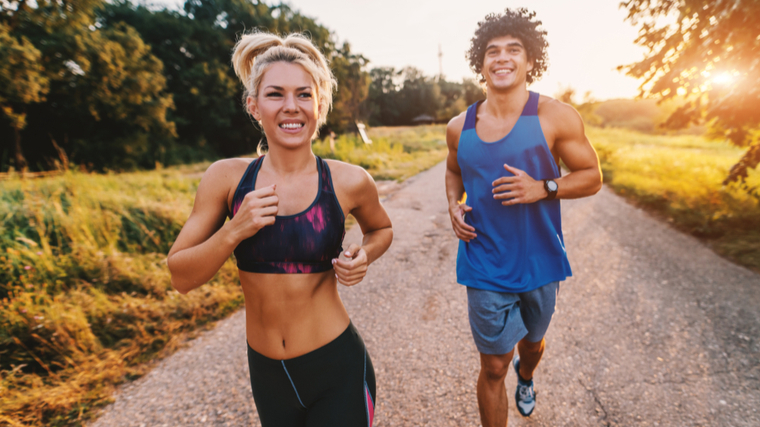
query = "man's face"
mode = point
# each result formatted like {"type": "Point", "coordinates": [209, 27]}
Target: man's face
{"type": "Point", "coordinates": [505, 64]}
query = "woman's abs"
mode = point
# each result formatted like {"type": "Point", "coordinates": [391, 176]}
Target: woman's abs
{"type": "Point", "coordinates": [288, 315]}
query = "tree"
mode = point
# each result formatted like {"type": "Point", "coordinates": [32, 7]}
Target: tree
{"type": "Point", "coordinates": [418, 95]}
{"type": "Point", "coordinates": [21, 82]}
{"type": "Point", "coordinates": [103, 89]}
{"type": "Point", "coordinates": [382, 104]}
{"type": "Point", "coordinates": [195, 55]}
{"type": "Point", "coordinates": [709, 56]}
{"type": "Point", "coordinates": [353, 87]}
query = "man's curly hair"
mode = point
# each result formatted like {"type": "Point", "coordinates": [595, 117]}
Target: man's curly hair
{"type": "Point", "coordinates": [519, 24]}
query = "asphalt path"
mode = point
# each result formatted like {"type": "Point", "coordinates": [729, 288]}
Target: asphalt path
{"type": "Point", "coordinates": [653, 329]}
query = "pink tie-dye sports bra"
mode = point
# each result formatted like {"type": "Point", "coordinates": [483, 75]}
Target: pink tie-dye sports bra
{"type": "Point", "coordinates": [302, 243]}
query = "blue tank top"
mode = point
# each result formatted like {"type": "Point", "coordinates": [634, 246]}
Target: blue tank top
{"type": "Point", "coordinates": [305, 242]}
{"type": "Point", "coordinates": [520, 247]}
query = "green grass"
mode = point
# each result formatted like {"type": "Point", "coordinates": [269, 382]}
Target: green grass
{"type": "Point", "coordinates": [679, 178]}
{"type": "Point", "coordinates": [85, 295]}
{"type": "Point", "coordinates": [396, 153]}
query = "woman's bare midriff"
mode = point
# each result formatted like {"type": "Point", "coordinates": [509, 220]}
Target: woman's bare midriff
{"type": "Point", "coordinates": [288, 315]}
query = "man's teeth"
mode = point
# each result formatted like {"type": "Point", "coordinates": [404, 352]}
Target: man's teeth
{"type": "Point", "coordinates": [503, 72]}
{"type": "Point", "coordinates": [291, 125]}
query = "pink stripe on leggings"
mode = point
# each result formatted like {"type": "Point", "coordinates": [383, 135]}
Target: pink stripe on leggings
{"type": "Point", "coordinates": [370, 406]}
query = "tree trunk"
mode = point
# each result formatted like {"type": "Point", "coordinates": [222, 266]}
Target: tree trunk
{"type": "Point", "coordinates": [20, 160]}
{"type": "Point", "coordinates": [64, 165]}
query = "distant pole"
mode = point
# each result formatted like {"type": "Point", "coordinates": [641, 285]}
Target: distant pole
{"type": "Point", "coordinates": [440, 62]}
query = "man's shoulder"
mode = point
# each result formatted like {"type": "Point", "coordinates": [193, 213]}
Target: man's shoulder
{"type": "Point", "coordinates": [454, 128]}
{"type": "Point", "coordinates": [548, 106]}
{"type": "Point", "coordinates": [457, 122]}
{"type": "Point", "coordinates": [557, 114]}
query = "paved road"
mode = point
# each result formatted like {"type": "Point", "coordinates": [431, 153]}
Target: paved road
{"type": "Point", "coordinates": [653, 330]}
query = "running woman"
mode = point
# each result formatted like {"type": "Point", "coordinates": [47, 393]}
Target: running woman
{"type": "Point", "coordinates": [308, 363]}
{"type": "Point", "coordinates": [504, 153]}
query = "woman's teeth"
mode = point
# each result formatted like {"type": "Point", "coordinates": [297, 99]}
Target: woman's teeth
{"type": "Point", "coordinates": [291, 125]}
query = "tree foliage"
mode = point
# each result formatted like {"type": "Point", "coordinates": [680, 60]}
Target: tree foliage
{"type": "Point", "coordinates": [396, 97]}
{"type": "Point", "coordinates": [708, 54]}
{"type": "Point", "coordinates": [118, 85]}
{"type": "Point", "coordinates": [103, 97]}
{"type": "Point", "coordinates": [22, 82]}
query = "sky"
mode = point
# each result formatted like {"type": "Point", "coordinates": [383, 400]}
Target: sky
{"type": "Point", "coordinates": [588, 39]}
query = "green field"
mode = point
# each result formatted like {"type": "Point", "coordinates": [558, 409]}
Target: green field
{"type": "Point", "coordinates": [679, 178]}
{"type": "Point", "coordinates": [85, 295]}
{"type": "Point", "coordinates": [395, 152]}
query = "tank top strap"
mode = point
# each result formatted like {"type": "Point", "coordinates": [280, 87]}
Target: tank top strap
{"type": "Point", "coordinates": [531, 107]}
{"type": "Point", "coordinates": [471, 116]}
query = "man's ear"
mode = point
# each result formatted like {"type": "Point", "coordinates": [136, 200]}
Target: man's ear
{"type": "Point", "coordinates": [530, 65]}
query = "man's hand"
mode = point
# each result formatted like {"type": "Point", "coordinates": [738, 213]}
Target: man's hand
{"type": "Point", "coordinates": [352, 271]}
{"type": "Point", "coordinates": [520, 188]}
{"type": "Point", "coordinates": [463, 230]}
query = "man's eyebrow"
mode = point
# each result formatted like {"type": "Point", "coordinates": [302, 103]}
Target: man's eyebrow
{"type": "Point", "coordinates": [510, 44]}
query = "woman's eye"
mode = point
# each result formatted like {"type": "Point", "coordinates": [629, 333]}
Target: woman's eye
{"type": "Point", "coordinates": [305, 95]}
{"type": "Point", "coordinates": [274, 94]}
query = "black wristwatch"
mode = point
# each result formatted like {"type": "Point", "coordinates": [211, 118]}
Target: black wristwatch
{"type": "Point", "coordinates": [551, 188]}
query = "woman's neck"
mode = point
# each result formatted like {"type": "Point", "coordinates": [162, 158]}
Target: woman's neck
{"type": "Point", "coordinates": [284, 162]}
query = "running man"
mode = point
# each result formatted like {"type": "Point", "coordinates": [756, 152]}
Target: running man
{"type": "Point", "coordinates": [504, 154]}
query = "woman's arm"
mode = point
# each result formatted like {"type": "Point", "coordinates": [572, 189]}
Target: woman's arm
{"type": "Point", "coordinates": [205, 241]}
{"type": "Point", "coordinates": [361, 192]}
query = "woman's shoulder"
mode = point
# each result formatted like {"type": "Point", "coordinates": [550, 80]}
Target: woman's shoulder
{"type": "Point", "coordinates": [223, 176]}
{"type": "Point", "coordinates": [227, 168]}
{"type": "Point", "coordinates": [351, 178]}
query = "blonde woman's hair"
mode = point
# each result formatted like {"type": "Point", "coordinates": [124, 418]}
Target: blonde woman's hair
{"type": "Point", "coordinates": [254, 53]}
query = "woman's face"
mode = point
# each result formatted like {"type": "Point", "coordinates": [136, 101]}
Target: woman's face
{"type": "Point", "coordinates": [286, 105]}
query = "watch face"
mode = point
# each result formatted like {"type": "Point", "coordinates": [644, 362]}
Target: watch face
{"type": "Point", "coordinates": [552, 186]}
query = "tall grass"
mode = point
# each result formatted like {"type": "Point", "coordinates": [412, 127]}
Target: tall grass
{"type": "Point", "coordinates": [680, 178]}
{"type": "Point", "coordinates": [85, 295]}
{"type": "Point", "coordinates": [396, 153]}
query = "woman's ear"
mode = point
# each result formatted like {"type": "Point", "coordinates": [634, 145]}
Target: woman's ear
{"type": "Point", "coordinates": [253, 108]}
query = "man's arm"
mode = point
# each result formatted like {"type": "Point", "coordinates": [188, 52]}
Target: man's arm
{"type": "Point", "coordinates": [454, 184]}
{"type": "Point", "coordinates": [573, 147]}
{"type": "Point", "coordinates": [562, 125]}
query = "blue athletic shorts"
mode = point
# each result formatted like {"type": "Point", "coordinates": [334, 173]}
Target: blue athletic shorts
{"type": "Point", "coordinates": [499, 320]}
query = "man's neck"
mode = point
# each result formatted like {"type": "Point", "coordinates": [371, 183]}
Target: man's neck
{"type": "Point", "coordinates": [506, 103]}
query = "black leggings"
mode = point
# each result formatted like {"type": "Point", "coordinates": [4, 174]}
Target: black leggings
{"type": "Point", "coordinates": [333, 385]}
